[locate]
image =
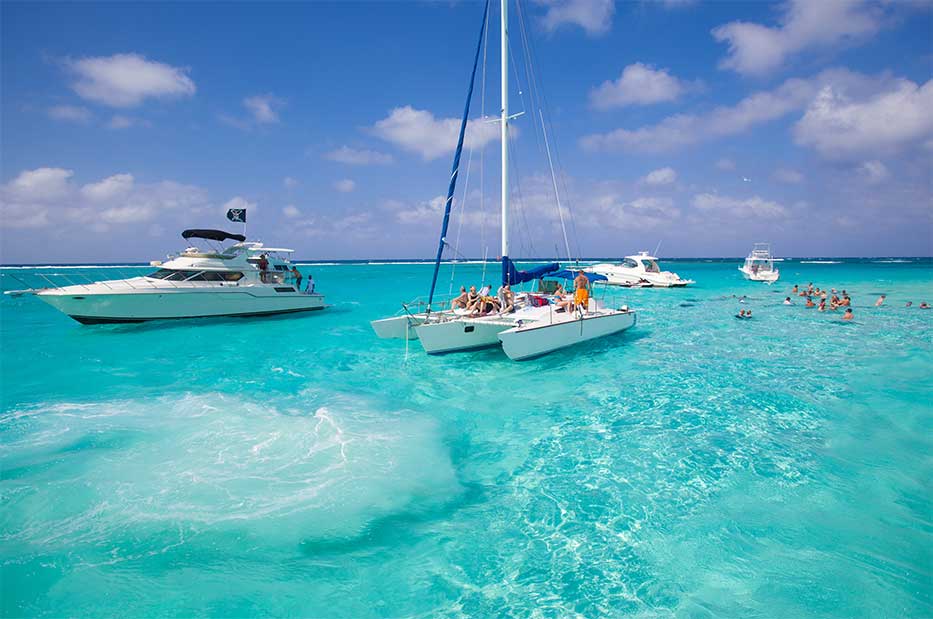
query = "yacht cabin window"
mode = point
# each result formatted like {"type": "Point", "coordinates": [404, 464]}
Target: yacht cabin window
{"type": "Point", "coordinates": [628, 263]}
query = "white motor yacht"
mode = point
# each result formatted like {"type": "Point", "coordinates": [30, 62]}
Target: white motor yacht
{"type": "Point", "coordinates": [759, 265]}
{"type": "Point", "coordinates": [639, 270]}
{"type": "Point", "coordinates": [242, 279]}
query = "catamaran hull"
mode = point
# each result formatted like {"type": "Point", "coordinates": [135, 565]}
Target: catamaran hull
{"type": "Point", "coordinates": [456, 335]}
{"type": "Point", "coordinates": [138, 306]}
{"type": "Point", "coordinates": [398, 327]}
{"type": "Point", "coordinates": [521, 343]}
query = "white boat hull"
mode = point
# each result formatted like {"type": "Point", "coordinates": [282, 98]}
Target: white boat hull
{"type": "Point", "coordinates": [618, 276]}
{"type": "Point", "coordinates": [536, 339]}
{"type": "Point", "coordinates": [398, 327]}
{"type": "Point", "coordinates": [460, 334]}
{"type": "Point", "coordinates": [762, 276]}
{"type": "Point", "coordinates": [89, 306]}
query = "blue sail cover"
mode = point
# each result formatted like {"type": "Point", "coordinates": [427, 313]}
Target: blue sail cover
{"type": "Point", "coordinates": [512, 276]}
{"type": "Point", "coordinates": [455, 169]}
{"type": "Point", "coordinates": [568, 274]}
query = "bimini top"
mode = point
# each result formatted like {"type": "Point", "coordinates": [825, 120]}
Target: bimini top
{"type": "Point", "coordinates": [571, 274]}
{"type": "Point", "coordinates": [212, 235]}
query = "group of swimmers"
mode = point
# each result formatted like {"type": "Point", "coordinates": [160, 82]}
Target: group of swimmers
{"type": "Point", "coordinates": [835, 298]}
{"type": "Point", "coordinates": [881, 299]}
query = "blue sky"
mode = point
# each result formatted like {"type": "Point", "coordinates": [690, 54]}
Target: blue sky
{"type": "Point", "coordinates": [703, 126]}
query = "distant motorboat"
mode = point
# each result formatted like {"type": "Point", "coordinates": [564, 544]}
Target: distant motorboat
{"type": "Point", "coordinates": [638, 270]}
{"type": "Point", "coordinates": [759, 265]}
{"type": "Point", "coordinates": [242, 279]}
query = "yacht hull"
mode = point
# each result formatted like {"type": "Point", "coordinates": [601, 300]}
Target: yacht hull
{"type": "Point", "coordinates": [616, 276]}
{"type": "Point", "coordinates": [769, 277]}
{"type": "Point", "coordinates": [463, 334]}
{"type": "Point", "coordinates": [141, 306]}
{"type": "Point", "coordinates": [534, 340]}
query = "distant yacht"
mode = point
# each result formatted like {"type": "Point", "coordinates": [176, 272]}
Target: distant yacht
{"type": "Point", "coordinates": [639, 270]}
{"type": "Point", "coordinates": [759, 265]}
{"type": "Point", "coordinates": [242, 279]}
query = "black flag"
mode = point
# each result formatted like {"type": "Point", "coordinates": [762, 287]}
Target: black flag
{"type": "Point", "coordinates": [237, 214]}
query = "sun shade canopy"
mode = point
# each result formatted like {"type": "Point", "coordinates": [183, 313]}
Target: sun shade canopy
{"type": "Point", "coordinates": [212, 235]}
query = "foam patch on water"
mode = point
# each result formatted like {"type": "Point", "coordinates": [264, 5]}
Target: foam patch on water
{"type": "Point", "coordinates": [80, 478]}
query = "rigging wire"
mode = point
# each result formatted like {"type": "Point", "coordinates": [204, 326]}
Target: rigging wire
{"type": "Point", "coordinates": [539, 91]}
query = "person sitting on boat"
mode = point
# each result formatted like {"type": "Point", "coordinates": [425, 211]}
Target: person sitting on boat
{"type": "Point", "coordinates": [506, 299]}
{"type": "Point", "coordinates": [461, 300]}
{"type": "Point", "coordinates": [485, 305]}
{"type": "Point", "coordinates": [848, 314]}
{"type": "Point", "coordinates": [559, 291]}
{"type": "Point", "coordinates": [472, 298]}
{"type": "Point", "coordinates": [297, 275]}
{"type": "Point", "coordinates": [310, 288]}
{"type": "Point", "coordinates": [581, 294]}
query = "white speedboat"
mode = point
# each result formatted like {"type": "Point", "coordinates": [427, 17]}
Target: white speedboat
{"type": "Point", "coordinates": [227, 281]}
{"type": "Point", "coordinates": [759, 265]}
{"type": "Point", "coordinates": [536, 327]}
{"type": "Point", "coordinates": [639, 270]}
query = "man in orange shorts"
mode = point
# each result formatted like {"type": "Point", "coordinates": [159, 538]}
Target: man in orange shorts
{"type": "Point", "coordinates": [581, 295]}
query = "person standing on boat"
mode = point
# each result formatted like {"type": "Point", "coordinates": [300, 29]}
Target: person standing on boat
{"type": "Point", "coordinates": [297, 275]}
{"type": "Point", "coordinates": [581, 285]}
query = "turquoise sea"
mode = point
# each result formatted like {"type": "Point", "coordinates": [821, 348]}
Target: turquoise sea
{"type": "Point", "coordinates": [694, 466]}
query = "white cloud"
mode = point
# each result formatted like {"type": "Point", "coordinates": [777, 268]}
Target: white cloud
{"type": "Point", "coordinates": [291, 212]}
{"type": "Point", "coordinates": [756, 50]}
{"type": "Point", "coordinates": [353, 156]}
{"type": "Point", "coordinates": [728, 207]}
{"type": "Point", "coordinates": [263, 108]}
{"type": "Point", "coordinates": [125, 80]}
{"type": "Point", "coordinates": [120, 122]}
{"type": "Point", "coordinates": [725, 164]}
{"type": "Point", "coordinates": [786, 175]}
{"type": "Point", "coordinates": [345, 185]}
{"type": "Point", "coordinates": [662, 176]}
{"type": "Point", "coordinates": [71, 113]}
{"type": "Point", "coordinates": [42, 184]}
{"type": "Point", "coordinates": [289, 182]}
{"type": "Point", "coordinates": [639, 84]}
{"type": "Point", "coordinates": [420, 213]}
{"type": "Point", "coordinates": [874, 171]}
{"type": "Point", "coordinates": [118, 185]}
{"type": "Point", "coordinates": [839, 127]}
{"type": "Point", "coordinates": [46, 196]}
{"type": "Point", "coordinates": [418, 131]}
{"type": "Point", "coordinates": [682, 130]}
{"type": "Point", "coordinates": [594, 16]}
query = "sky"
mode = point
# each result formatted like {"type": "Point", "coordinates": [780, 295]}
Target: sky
{"type": "Point", "coordinates": [693, 128]}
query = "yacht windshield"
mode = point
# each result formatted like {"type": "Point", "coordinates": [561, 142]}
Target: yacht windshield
{"type": "Point", "coordinates": [161, 274]}
{"type": "Point", "coordinates": [628, 263]}
{"type": "Point", "coordinates": [651, 266]}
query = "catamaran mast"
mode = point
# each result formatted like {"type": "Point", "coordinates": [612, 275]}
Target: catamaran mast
{"type": "Point", "coordinates": [505, 130]}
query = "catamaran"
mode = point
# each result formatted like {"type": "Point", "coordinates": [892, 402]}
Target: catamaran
{"type": "Point", "coordinates": [759, 265]}
{"type": "Point", "coordinates": [240, 279]}
{"type": "Point", "coordinates": [537, 325]}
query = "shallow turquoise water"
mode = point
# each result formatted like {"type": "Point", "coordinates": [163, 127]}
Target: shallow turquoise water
{"type": "Point", "coordinates": [695, 466]}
